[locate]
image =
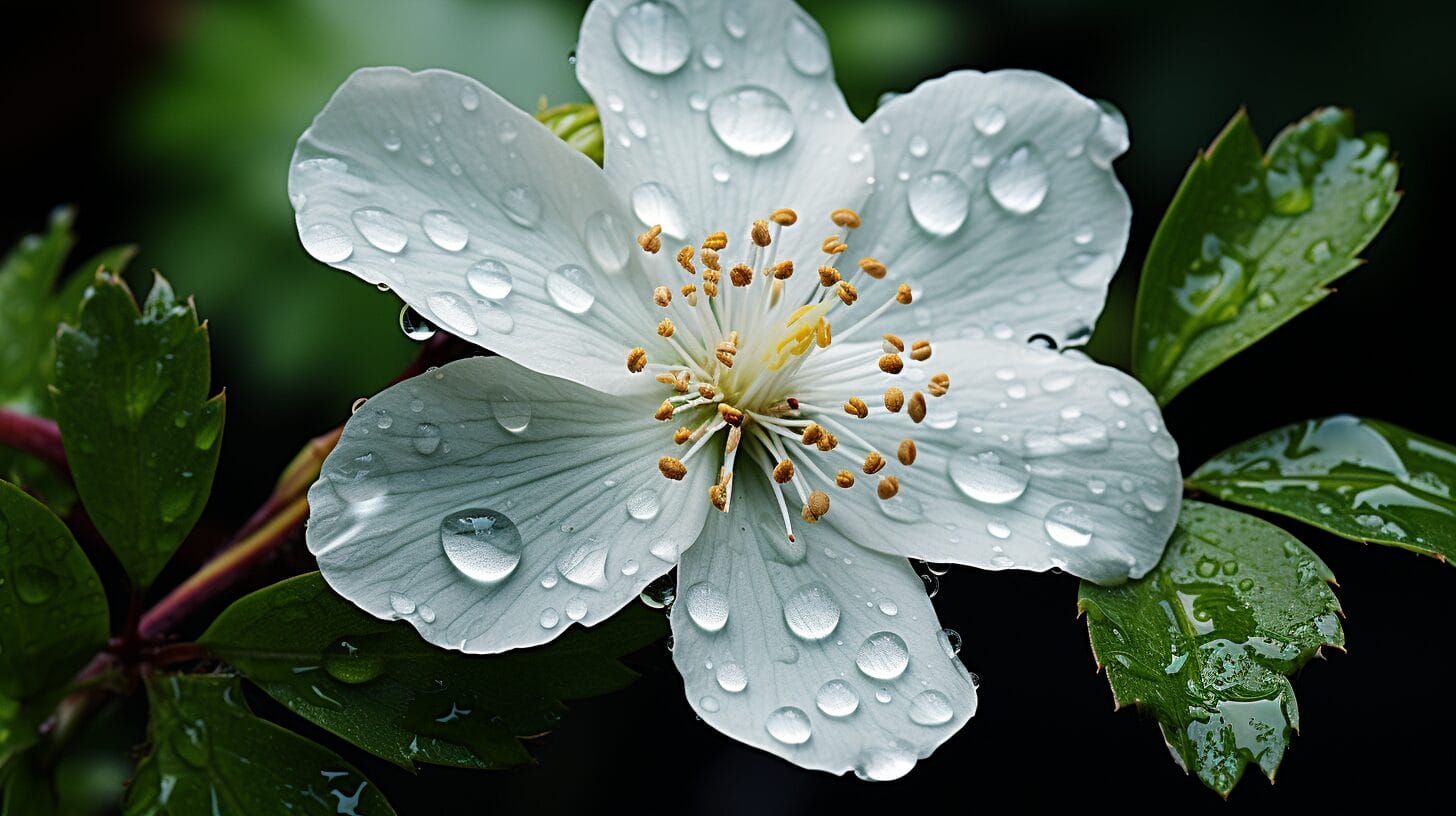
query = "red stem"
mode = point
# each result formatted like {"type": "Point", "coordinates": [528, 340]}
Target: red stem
{"type": "Point", "coordinates": [36, 436]}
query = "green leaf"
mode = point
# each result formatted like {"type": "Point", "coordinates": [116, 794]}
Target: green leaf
{"type": "Point", "coordinates": [1252, 240]}
{"type": "Point", "coordinates": [53, 614]}
{"type": "Point", "coordinates": [210, 754]}
{"type": "Point", "coordinates": [1358, 478]}
{"type": "Point", "coordinates": [27, 790]}
{"type": "Point", "coordinates": [379, 685]}
{"type": "Point", "coordinates": [577, 124]}
{"type": "Point", "coordinates": [1204, 642]}
{"type": "Point", "coordinates": [140, 433]}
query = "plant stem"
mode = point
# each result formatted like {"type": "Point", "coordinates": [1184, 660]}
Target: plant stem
{"type": "Point", "coordinates": [36, 436]}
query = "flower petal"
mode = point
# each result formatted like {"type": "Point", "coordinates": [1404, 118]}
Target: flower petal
{"type": "Point", "coordinates": [719, 114]}
{"type": "Point", "coordinates": [819, 651]}
{"type": "Point", "coordinates": [1033, 460]}
{"type": "Point", "coordinates": [492, 507]}
{"type": "Point", "coordinates": [478, 217]}
{"type": "Point", "coordinates": [996, 198]}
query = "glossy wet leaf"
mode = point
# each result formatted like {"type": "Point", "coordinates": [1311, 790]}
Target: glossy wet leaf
{"type": "Point", "coordinates": [210, 754]}
{"type": "Point", "coordinates": [1205, 641]}
{"type": "Point", "coordinates": [1251, 240]}
{"type": "Point", "coordinates": [379, 685]}
{"type": "Point", "coordinates": [53, 614]}
{"type": "Point", "coordinates": [1359, 478]}
{"type": "Point", "coordinates": [141, 435]}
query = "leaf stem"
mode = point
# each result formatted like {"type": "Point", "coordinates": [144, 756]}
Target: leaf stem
{"type": "Point", "coordinates": [36, 436]}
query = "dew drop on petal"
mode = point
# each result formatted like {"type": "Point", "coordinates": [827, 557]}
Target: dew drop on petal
{"type": "Point", "coordinates": [653, 203]}
{"type": "Point", "coordinates": [750, 120]}
{"type": "Point", "coordinates": [571, 287]}
{"type": "Point", "coordinates": [789, 725]}
{"type": "Point", "coordinates": [511, 411]}
{"type": "Point", "coordinates": [549, 618]}
{"type": "Point", "coordinates": [445, 230]}
{"type": "Point", "coordinates": [990, 477]}
{"type": "Point", "coordinates": [401, 604]}
{"type": "Point", "coordinates": [427, 438]}
{"type": "Point", "coordinates": [483, 544]}
{"type": "Point", "coordinates": [381, 228]}
{"type": "Point", "coordinates": [731, 677]}
{"type": "Point", "coordinates": [521, 205]}
{"type": "Point", "coordinates": [469, 97]}
{"type": "Point", "coordinates": [489, 278]}
{"type": "Point", "coordinates": [837, 699]}
{"type": "Point", "coordinates": [811, 612]}
{"type": "Point", "coordinates": [1068, 525]}
{"type": "Point", "coordinates": [653, 37]}
{"type": "Point", "coordinates": [327, 243]}
{"type": "Point", "coordinates": [414, 326]}
{"type": "Point", "coordinates": [707, 605]}
{"type": "Point", "coordinates": [883, 656]}
{"type": "Point", "coordinates": [453, 313]}
{"type": "Point", "coordinates": [1087, 270]}
{"type": "Point", "coordinates": [939, 202]}
{"type": "Point", "coordinates": [887, 763]}
{"type": "Point", "coordinates": [806, 49]}
{"type": "Point", "coordinates": [644, 505]}
{"type": "Point", "coordinates": [608, 242]}
{"type": "Point", "coordinates": [989, 120]}
{"type": "Point", "coordinates": [931, 707]}
{"type": "Point", "coordinates": [1018, 180]}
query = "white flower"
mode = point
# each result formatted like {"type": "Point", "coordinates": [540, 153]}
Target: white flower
{"type": "Point", "coordinates": [496, 501]}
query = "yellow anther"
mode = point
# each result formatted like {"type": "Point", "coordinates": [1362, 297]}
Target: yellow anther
{"type": "Point", "coordinates": [893, 343]}
{"type": "Point", "coordinates": [666, 378]}
{"type": "Point", "coordinates": [710, 259]}
{"type": "Point", "coordinates": [783, 270]}
{"type": "Point", "coordinates": [894, 399]}
{"type": "Point", "coordinates": [855, 406]}
{"type": "Point", "coordinates": [902, 294]}
{"type": "Point", "coordinates": [784, 217]}
{"type": "Point", "coordinates": [662, 296]}
{"type": "Point", "coordinates": [685, 260]}
{"type": "Point", "coordinates": [712, 275]}
{"type": "Point", "coordinates": [845, 217]}
{"type": "Point", "coordinates": [735, 436]}
{"type": "Point", "coordinates": [920, 350]}
{"type": "Point", "coordinates": [827, 442]}
{"type": "Point", "coordinates": [844, 479]}
{"type": "Point", "coordinates": [816, 508]}
{"type": "Point", "coordinates": [828, 276]}
{"type": "Point", "coordinates": [664, 411]}
{"type": "Point", "coordinates": [664, 328]}
{"type": "Point", "coordinates": [724, 351]}
{"type": "Point", "coordinates": [916, 408]}
{"type": "Point", "coordinates": [636, 359]}
{"type": "Point", "coordinates": [683, 381]}
{"type": "Point", "coordinates": [783, 472]}
{"type": "Point", "coordinates": [759, 233]}
{"type": "Point", "coordinates": [823, 334]}
{"type": "Point", "coordinates": [847, 293]}
{"type": "Point", "coordinates": [872, 267]}
{"type": "Point", "coordinates": [888, 487]}
{"type": "Point", "coordinates": [873, 463]}
{"type": "Point", "coordinates": [811, 434]}
{"type": "Point", "coordinates": [829, 243]}
{"type": "Point", "coordinates": [707, 391]}
{"type": "Point", "coordinates": [672, 468]}
{"type": "Point", "coordinates": [716, 241]}
{"type": "Point", "coordinates": [681, 434]}
{"type": "Point", "coordinates": [891, 363]}
{"type": "Point", "coordinates": [649, 240]}
{"type": "Point", "coordinates": [718, 497]}
{"type": "Point", "coordinates": [741, 275]}
{"type": "Point", "coordinates": [710, 288]}
{"type": "Point", "coordinates": [906, 453]}
{"type": "Point", "coordinates": [688, 290]}
{"type": "Point", "coordinates": [938, 385]}
{"type": "Point", "coordinates": [730, 415]}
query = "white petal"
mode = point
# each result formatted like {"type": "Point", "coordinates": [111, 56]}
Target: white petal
{"type": "Point", "coordinates": [819, 651]}
{"type": "Point", "coordinates": [996, 200]}
{"type": "Point", "coordinates": [720, 113]}
{"type": "Point", "coordinates": [493, 507]}
{"type": "Point", "coordinates": [478, 217]}
{"type": "Point", "coordinates": [1033, 460]}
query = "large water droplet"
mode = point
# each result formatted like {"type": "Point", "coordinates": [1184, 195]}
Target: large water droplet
{"type": "Point", "coordinates": [837, 699]}
{"type": "Point", "coordinates": [521, 205]}
{"type": "Point", "coordinates": [806, 48]}
{"type": "Point", "coordinates": [511, 411]}
{"type": "Point", "coordinates": [644, 505]}
{"type": "Point", "coordinates": [469, 97]}
{"type": "Point", "coordinates": [483, 544]}
{"type": "Point", "coordinates": [549, 618]}
{"type": "Point", "coordinates": [489, 278]}
{"type": "Point", "coordinates": [989, 476]}
{"type": "Point", "coordinates": [654, 37]}
{"type": "Point", "coordinates": [930, 707]}
{"type": "Point", "coordinates": [886, 764]}
{"type": "Point", "coordinates": [989, 120]}
{"type": "Point", "coordinates": [586, 564]}
{"type": "Point", "coordinates": [381, 228]}
{"type": "Point", "coordinates": [1068, 525]}
{"type": "Point", "coordinates": [608, 242]}
{"type": "Point", "coordinates": [789, 725]}
{"type": "Point", "coordinates": [939, 202]}
{"type": "Point", "coordinates": [707, 606]}
{"type": "Point", "coordinates": [751, 120]}
{"type": "Point", "coordinates": [653, 203]}
{"type": "Point", "coordinates": [811, 612]}
{"type": "Point", "coordinates": [571, 287]}
{"type": "Point", "coordinates": [427, 438]}
{"type": "Point", "coordinates": [1087, 270]}
{"type": "Point", "coordinates": [732, 677]}
{"type": "Point", "coordinates": [347, 663]}
{"type": "Point", "coordinates": [883, 656]}
{"type": "Point", "coordinates": [453, 312]}
{"type": "Point", "coordinates": [414, 326]}
{"type": "Point", "coordinates": [327, 243]}
{"type": "Point", "coordinates": [1018, 180]}
{"type": "Point", "coordinates": [445, 230]}
{"type": "Point", "coordinates": [401, 604]}
{"type": "Point", "coordinates": [35, 584]}
{"type": "Point", "coordinates": [1109, 140]}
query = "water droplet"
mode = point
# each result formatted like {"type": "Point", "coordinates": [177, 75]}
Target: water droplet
{"type": "Point", "coordinates": [1088, 270]}
{"type": "Point", "coordinates": [789, 725]}
{"type": "Point", "coordinates": [483, 544]}
{"type": "Point", "coordinates": [806, 48]}
{"type": "Point", "coordinates": [733, 21]}
{"type": "Point", "coordinates": [401, 604]}
{"type": "Point", "coordinates": [918, 146]}
{"type": "Point", "coordinates": [414, 326]}
{"type": "Point", "coordinates": [989, 476]}
{"type": "Point", "coordinates": [712, 56]}
{"type": "Point", "coordinates": [608, 242]}
{"type": "Point", "coordinates": [469, 97]}
{"type": "Point", "coordinates": [1018, 180]}
{"type": "Point", "coordinates": [886, 764]}
{"type": "Point", "coordinates": [445, 230]}
{"type": "Point", "coordinates": [837, 699]}
{"type": "Point", "coordinates": [707, 606]}
{"type": "Point", "coordinates": [549, 618]}
{"type": "Point", "coordinates": [1109, 140]}
{"type": "Point", "coordinates": [506, 132]}
{"type": "Point", "coordinates": [347, 663]}
{"type": "Point", "coordinates": [392, 141]}
{"type": "Point", "coordinates": [630, 567]}
{"type": "Point", "coordinates": [989, 120]}
{"type": "Point", "coordinates": [453, 313]}
{"type": "Point", "coordinates": [660, 593]}
{"type": "Point", "coordinates": [932, 584]}
{"type": "Point", "coordinates": [427, 613]}
{"type": "Point", "coordinates": [489, 278]}
{"type": "Point", "coordinates": [655, 204]}
{"type": "Point", "coordinates": [889, 607]}
{"type": "Point", "coordinates": [381, 228]}
{"type": "Point", "coordinates": [950, 641]}
{"type": "Point", "coordinates": [709, 704]}
{"type": "Point", "coordinates": [653, 37]}
{"type": "Point", "coordinates": [382, 420]}
{"type": "Point", "coordinates": [1119, 397]}
{"type": "Point", "coordinates": [811, 612]}
{"type": "Point", "coordinates": [1288, 194]}
{"type": "Point", "coordinates": [571, 288]}
{"type": "Point", "coordinates": [576, 608]}
{"type": "Point", "coordinates": [883, 656]}
{"type": "Point", "coordinates": [512, 412]}
{"type": "Point", "coordinates": [427, 438]}
{"type": "Point", "coordinates": [939, 202]}
{"type": "Point", "coordinates": [35, 584]}
{"type": "Point", "coordinates": [327, 243]}
{"type": "Point", "coordinates": [751, 120]}
{"type": "Point", "coordinates": [1068, 525]}
{"type": "Point", "coordinates": [1165, 447]}
{"type": "Point", "coordinates": [731, 676]}
{"type": "Point", "coordinates": [883, 696]}
{"type": "Point", "coordinates": [720, 173]}
{"type": "Point", "coordinates": [586, 564]}
{"type": "Point", "coordinates": [1318, 252]}
{"type": "Point", "coordinates": [1083, 236]}
{"type": "Point", "coordinates": [931, 707]}
{"type": "Point", "coordinates": [644, 505]}
{"type": "Point", "coordinates": [521, 205]}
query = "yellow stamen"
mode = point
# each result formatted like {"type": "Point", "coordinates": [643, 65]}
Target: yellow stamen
{"type": "Point", "coordinates": [902, 294]}
{"type": "Point", "coordinates": [685, 260]}
{"type": "Point", "coordinates": [829, 243]}
{"type": "Point", "coordinates": [672, 468]}
{"type": "Point", "coordinates": [649, 240]}
{"type": "Point", "coordinates": [906, 453]}
{"type": "Point", "coordinates": [920, 350]}
{"type": "Point", "coordinates": [664, 328]}
{"type": "Point", "coordinates": [845, 217]}
{"type": "Point", "coordinates": [707, 391]}
{"type": "Point", "coordinates": [710, 259]}
{"type": "Point", "coordinates": [894, 399]}
{"type": "Point", "coordinates": [888, 487]}
{"type": "Point", "coordinates": [663, 295]}
{"type": "Point", "coordinates": [812, 432]}
{"type": "Point", "coordinates": [664, 411]}
{"type": "Point", "coordinates": [872, 267]}
{"type": "Point", "coordinates": [891, 364]}
{"type": "Point", "coordinates": [938, 385]}
{"type": "Point", "coordinates": [844, 479]}
{"type": "Point", "coordinates": [784, 217]}
{"type": "Point", "coordinates": [759, 233]}
{"type": "Point", "coordinates": [847, 293]}
{"type": "Point", "coordinates": [681, 434]}
{"type": "Point", "coordinates": [741, 275]}
{"type": "Point", "coordinates": [823, 334]}
{"type": "Point", "coordinates": [782, 270]}
{"type": "Point", "coordinates": [783, 472]}
{"type": "Point", "coordinates": [716, 241]}
{"type": "Point", "coordinates": [718, 497]}
{"type": "Point", "coordinates": [730, 415]}
{"type": "Point", "coordinates": [855, 406]}
{"type": "Point", "coordinates": [636, 359]}
{"type": "Point", "coordinates": [873, 463]}
{"type": "Point", "coordinates": [893, 343]}
{"type": "Point", "coordinates": [827, 442]}
{"type": "Point", "coordinates": [828, 276]}
{"type": "Point", "coordinates": [917, 407]}
{"type": "Point", "coordinates": [817, 507]}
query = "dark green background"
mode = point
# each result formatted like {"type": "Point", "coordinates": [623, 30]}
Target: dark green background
{"type": "Point", "coordinates": [171, 123]}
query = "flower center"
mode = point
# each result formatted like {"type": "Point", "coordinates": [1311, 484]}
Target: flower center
{"type": "Point", "coordinates": [748, 348]}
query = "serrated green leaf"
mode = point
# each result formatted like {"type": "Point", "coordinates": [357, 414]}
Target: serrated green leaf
{"type": "Point", "coordinates": [53, 614]}
{"type": "Point", "coordinates": [1358, 478]}
{"type": "Point", "coordinates": [1252, 240]}
{"type": "Point", "coordinates": [1206, 640]}
{"type": "Point", "coordinates": [379, 685]}
{"type": "Point", "coordinates": [140, 433]}
{"type": "Point", "coordinates": [210, 754]}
